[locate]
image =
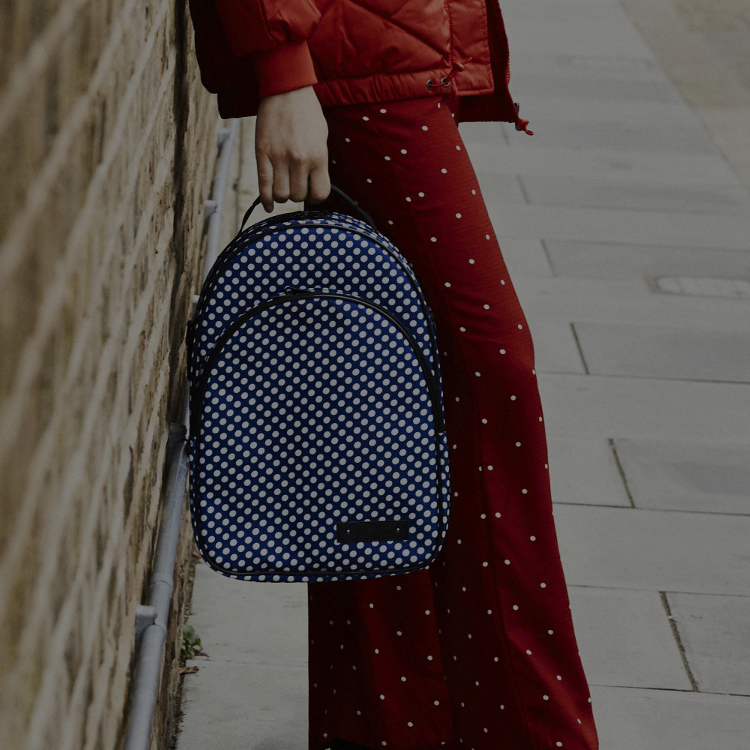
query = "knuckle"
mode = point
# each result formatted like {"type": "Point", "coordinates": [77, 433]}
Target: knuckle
{"type": "Point", "coordinates": [262, 148]}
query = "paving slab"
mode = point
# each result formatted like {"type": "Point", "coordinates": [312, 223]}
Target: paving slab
{"type": "Point", "coordinates": [623, 137]}
{"type": "Point", "coordinates": [584, 471]}
{"type": "Point", "coordinates": [551, 14]}
{"type": "Point", "coordinates": [594, 406]}
{"type": "Point", "coordinates": [552, 108]}
{"type": "Point", "coordinates": [504, 189]}
{"type": "Point", "coordinates": [592, 67]}
{"type": "Point", "coordinates": [632, 719]}
{"type": "Point", "coordinates": [611, 225]}
{"type": "Point", "coordinates": [524, 257]}
{"type": "Point", "coordinates": [655, 550]}
{"type": "Point", "coordinates": [700, 477]}
{"type": "Point", "coordinates": [598, 260]}
{"type": "Point", "coordinates": [714, 632]}
{"type": "Point", "coordinates": [243, 707]}
{"type": "Point", "coordinates": [559, 27]}
{"type": "Point", "coordinates": [631, 301]}
{"type": "Point", "coordinates": [555, 347]}
{"type": "Point", "coordinates": [729, 41]}
{"type": "Point", "coordinates": [662, 352]}
{"type": "Point", "coordinates": [626, 640]}
{"type": "Point", "coordinates": [249, 621]}
{"type": "Point", "coordinates": [633, 89]}
{"type": "Point", "coordinates": [566, 290]}
{"type": "Point", "coordinates": [701, 287]}
{"type": "Point", "coordinates": [481, 133]}
{"type": "Point", "coordinates": [519, 157]}
{"type": "Point", "coordinates": [636, 194]}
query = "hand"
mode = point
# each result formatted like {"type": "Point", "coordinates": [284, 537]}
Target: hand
{"type": "Point", "coordinates": [291, 148]}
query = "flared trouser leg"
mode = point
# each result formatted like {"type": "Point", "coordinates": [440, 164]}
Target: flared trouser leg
{"type": "Point", "coordinates": [478, 651]}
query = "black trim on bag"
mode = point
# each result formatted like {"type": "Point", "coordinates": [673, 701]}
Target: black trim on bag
{"type": "Point", "coordinates": [195, 420]}
{"type": "Point", "coordinates": [270, 226]}
{"type": "Point", "coordinates": [372, 531]}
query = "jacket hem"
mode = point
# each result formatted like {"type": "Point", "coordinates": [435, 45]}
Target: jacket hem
{"type": "Point", "coordinates": [475, 107]}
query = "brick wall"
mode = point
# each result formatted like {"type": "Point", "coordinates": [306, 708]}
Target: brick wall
{"type": "Point", "coordinates": [107, 149]}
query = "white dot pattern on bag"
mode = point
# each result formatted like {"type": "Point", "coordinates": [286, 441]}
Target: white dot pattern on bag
{"type": "Point", "coordinates": [310, 253]}
{"type": "Point", "coordinates": [316, 411]}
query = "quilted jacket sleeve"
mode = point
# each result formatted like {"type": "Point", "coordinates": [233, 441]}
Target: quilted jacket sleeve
{"type": "Point", "coordinates": [274, 33]}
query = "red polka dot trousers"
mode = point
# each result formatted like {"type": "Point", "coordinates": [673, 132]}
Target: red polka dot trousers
{"type": "Point", "coordinates": [476, 652]}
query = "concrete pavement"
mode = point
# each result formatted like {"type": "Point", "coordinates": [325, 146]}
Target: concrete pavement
{"type": "Point", "coordinates": [626, 231]}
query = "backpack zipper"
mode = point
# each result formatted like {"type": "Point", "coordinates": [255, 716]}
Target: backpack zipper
{"type": "Point", "coordinates": [432, 383]}
{"type": "Point", "coordinates": [229, 253]}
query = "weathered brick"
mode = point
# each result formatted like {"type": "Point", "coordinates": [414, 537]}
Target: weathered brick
{"type": "Point", "coordinates": [97, 272]}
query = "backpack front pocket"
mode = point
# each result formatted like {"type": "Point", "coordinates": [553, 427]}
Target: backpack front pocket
{"type": "Point", "coordinates": [317, 424]}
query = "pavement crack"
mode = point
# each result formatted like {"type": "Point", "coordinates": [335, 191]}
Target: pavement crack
{"type": "Point", "coordinates": [613, 448]}
{"type": "Point", "coordinates": [678, 640]}
{"type": "Point", "coordinates": [580, 348]}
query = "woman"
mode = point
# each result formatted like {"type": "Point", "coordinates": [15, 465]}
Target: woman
{"type": "Point", "coordinates": [477, 651]}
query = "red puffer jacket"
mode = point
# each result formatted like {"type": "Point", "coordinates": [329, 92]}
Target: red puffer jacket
{"type": "Point", "coordinates": [355, 51]}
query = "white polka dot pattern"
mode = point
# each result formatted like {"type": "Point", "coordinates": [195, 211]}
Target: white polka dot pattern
{"type": "Point", "coordinates": [316, 249]}
{"type": "Point", "coordinates": [316, 407]}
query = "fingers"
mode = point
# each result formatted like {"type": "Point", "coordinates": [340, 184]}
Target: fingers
{"type": "Point", "coordinates": [320, 184]}
{"type": "Point", "coordinates": [274, 182]}
{"type": "Point", "coordinates": [265, 181]}
{"type": "Point", "coordinates": [292, 160]}
{"type": "Point", "coordinates": [280, 179]}
{"type": "Point", "coordinates": [284, 179]}
{"type": "Point", "coordinates": [299, 169]}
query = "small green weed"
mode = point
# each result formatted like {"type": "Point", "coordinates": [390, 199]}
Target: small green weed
{"type": "Point", "coordinates": [191, 642]}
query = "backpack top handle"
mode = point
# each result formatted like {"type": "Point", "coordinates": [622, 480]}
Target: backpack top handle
{"type": "Point", "coordinates": [365, 216]}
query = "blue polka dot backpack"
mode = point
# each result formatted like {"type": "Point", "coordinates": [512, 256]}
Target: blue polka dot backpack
{"type": "Point", "coordinates": [317, 434]}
